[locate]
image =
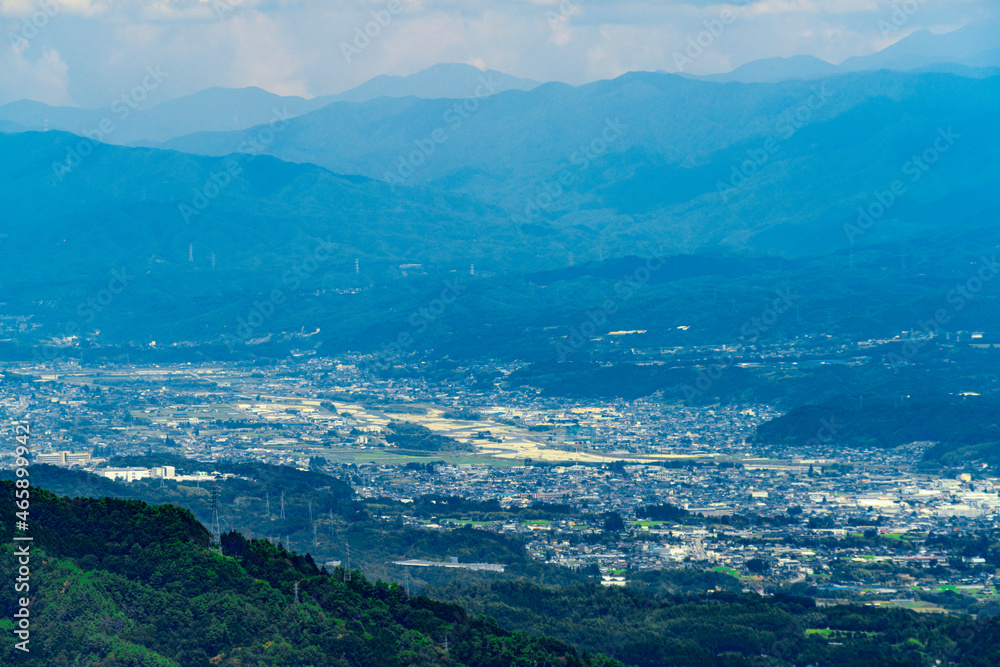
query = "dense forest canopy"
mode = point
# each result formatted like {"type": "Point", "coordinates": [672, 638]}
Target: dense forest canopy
{"type": "Point", "coordinates": [119, 582]}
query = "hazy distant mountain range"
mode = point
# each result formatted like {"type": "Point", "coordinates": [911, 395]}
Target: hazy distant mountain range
{"type": "Point", "coordinates": [973, 51]}
{"type": "Point", "coordinates": [455, 171]}
{"type": "Point", "coordinates": [132, 206]}
{"type": "Point", "coordinates": [772, 167]}
{"type": "Point", "coordinates": [226, 109]}
{"type": "Point", "coordinates": [215, 109]}
{"type": "Point", "coordinates": [970, 51]}
{"type": "Point", "coordinates": [454, 81]}
{"type": "Point", "coordinates": [777, 168]}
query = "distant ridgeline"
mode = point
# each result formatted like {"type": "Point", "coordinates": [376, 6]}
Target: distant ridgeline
{"type": "Point", "coordinates": [127, 247]}
{"type": "Point", "coordinates": [124, 583]}
{"type": "Point", "coordinates": [964, 431]}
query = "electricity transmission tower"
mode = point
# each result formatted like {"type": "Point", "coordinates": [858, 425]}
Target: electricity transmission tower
{"type": "Point", "coordinates": [216, 531]}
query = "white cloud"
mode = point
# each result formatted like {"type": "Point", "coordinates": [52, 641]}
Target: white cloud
{"type": "Point", "coordinates": [292, 46]}
{"type": "Point", "coordinates": [51, 8]}
{"type": "Point", "coordinates": [43, 80]}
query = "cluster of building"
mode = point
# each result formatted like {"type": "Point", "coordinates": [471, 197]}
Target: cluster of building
{"type": "Point", "coordinates": [825, 510]}
{"type": "Point", "coordinates": [806, 515]}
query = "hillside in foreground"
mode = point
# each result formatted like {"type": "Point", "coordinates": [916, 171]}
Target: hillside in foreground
{"type": "Point", "coordinates": [118, 582]}
{"type": "Point", "coordinates": [125, 583]}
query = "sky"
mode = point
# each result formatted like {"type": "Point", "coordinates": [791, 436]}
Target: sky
{"type": "Point", "coordinates": [90, 52]}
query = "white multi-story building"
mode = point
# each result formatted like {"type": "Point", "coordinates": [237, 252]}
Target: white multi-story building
{"type": "Point", "coordinates": [124, 474]}
{"type": "Point", "coordinates": [63, 458]}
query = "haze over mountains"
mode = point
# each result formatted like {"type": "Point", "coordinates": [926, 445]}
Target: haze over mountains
{"type": "Point", "coordinates": [225, 109]}
{"type": "Point", "coordinates": [669, 153]}
{"type": "Point", "coordinates": [146, 208]}
{"type": "Point", "coordinates": [971, 51]}
{"type": "Point", "coordinates": [447, 80]}
{"type": "Point", "coordinates": [214, 197]}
